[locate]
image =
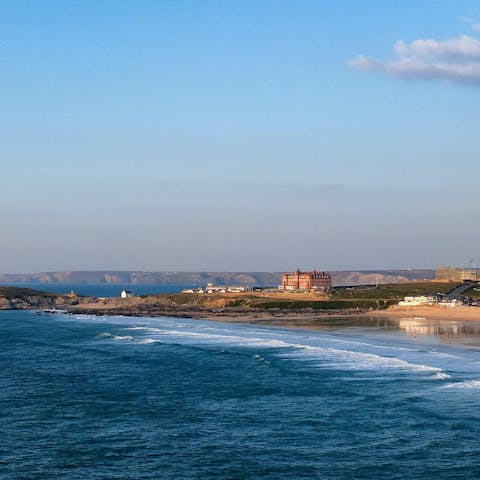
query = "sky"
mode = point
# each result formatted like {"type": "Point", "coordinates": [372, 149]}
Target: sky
{"type": "Point", "coordinates": [238, 135]}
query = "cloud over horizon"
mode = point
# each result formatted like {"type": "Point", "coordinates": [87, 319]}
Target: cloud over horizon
{"type": "Point", "coordinates": [455, 59]}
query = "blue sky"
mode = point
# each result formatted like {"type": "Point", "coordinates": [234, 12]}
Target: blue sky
{"type": "Point", "coordinates": [239, 135]}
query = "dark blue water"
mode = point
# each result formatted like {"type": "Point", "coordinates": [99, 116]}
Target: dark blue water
{"type": "Point", "coordinates": [120, 398]}
{"type": "Point", "coordinates": [102, 290]}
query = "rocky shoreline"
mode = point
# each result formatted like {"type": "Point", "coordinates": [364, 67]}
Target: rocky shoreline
{"type": "Point", "coordinates": [222, 308]}
{"type": "Point", "coordinates": [230, 314]}
{"type": "Point", "coordinates": [33, 302]}
{"type": "Point", "coordinates": [242, 308]}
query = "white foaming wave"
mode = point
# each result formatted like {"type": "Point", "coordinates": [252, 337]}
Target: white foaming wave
{"type": "Point", "coordinates": [357, 360]}
{"type": "Point", "coordinates": [104, 335]}
{"type": "Point", "coordinates": [443, 355]}
{"type": "Point", "coordinates": [147, 341]}
{"type": "Point", "coordinates": [334, 356]}
{"type": "Point", "coordinates": [145, 329]}
{"type": "Point", "coordinates": [440, 376]}
{"type": "Point", "coordinates": [345, 342]}
{"type": "Point", "coordinates": [84, 317]}
{"type": "Point", "coordinates": [124, 338]}
{"type": "Point", "coordinates": [465, 384]}
{"type": "Point", "coordinates": [229, 339]}
{"type": "Point", "coordinates": [335, 353]}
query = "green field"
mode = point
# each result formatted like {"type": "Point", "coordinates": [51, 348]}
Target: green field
{"type": "Point", "coordinates": [392, 291]}
{"type": "Point", "coordinates": [361, 297]}
{"type": "Point", "coordinates": [326, 304]}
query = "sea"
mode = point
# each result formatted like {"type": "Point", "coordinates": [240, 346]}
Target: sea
{"type": "Point", "coordinates": [103, 289]}
{"type": "Point", "coordinates": [85, 397]}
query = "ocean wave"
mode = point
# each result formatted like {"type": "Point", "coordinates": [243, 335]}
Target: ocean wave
{"type": "Point", "coordinates": [440, 376]}
{"type": "Point", "coordinates": [329, 356]}
{"type": "Point", "coordinates": [148, 341]}
{"type": "Point", "coordinates": [465, 384]}
{"type": "Point", "coordinates": [234, 340]}
{"type": "Point", "coordinates": [145, 329]}
{"type": "Point", "coordinates": [320, 350]}
{"type": "Point", "coordinates": [122, 338]}
{"type": "Point", "coordinates": [106, 335]}
{"type": "Point", "coordinates": [443, 355]}
{"type": "Point", "coordinates": [333, 357]}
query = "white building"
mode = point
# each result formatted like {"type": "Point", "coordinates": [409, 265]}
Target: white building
{"type": "Point", "coordinates": [126, 294]}
{"type": "Point", "coordinates": [417, 300]}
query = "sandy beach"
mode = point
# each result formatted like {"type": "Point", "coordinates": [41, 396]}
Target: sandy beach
{"type": "Point", "coordinates": [302, 318]}
{"type": "Point", "coordinates": [430, 312]}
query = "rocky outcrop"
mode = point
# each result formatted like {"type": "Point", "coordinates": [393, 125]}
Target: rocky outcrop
{"type": "Point", "coordinates": [12, 298]}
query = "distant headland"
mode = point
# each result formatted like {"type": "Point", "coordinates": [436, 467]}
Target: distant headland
{"type": "Point", "coordinates": [272, 306]}
{"type": "Point", "coordinates": [343, 277]}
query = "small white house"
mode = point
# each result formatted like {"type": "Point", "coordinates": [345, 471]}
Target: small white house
{"type": "Point", "coordinates": [126, 294]}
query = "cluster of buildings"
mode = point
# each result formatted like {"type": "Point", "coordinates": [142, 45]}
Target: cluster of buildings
{"type": "Point", "coordinates": [298, 280]}
{"type": "Point", "coordinates": [424, 300]}
{"type": "Point", "coordinates": [315, 281]}
{"type": "Point", "coordinates": [456, 274]}
{"type": "Point", "coordinates": [211, 288]}
{"type": "Point", "coordinates": [436, 299]}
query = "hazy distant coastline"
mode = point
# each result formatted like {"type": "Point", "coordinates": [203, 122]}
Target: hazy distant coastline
{"type": "Point", "coordinates": [360, 277]}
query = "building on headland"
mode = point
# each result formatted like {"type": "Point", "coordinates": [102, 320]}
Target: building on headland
{"type": "Point", "coordinates": [299, 280]}
{"type": "Point", "coordinates": [127, 294]}
{"type": "Point", "coordinates": [456, 274]}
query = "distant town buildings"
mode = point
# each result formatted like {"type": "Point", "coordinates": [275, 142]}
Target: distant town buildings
{"type": "Point", "coordinates": [299, 280]}
{"type": "Point", "coordinates": [435, 299]}
{"type": "Point", "coordinates": [419, 300]}
{"type": "Point", "coordinates": [456, 274]}
{"type": "Point", "coordinates": [211, 288]}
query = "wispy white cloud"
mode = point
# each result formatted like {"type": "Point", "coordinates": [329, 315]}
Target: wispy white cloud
{"type": "Point", "coordinates": [454, 59]}
{"type": "Point", "coordinates": [471, 21]}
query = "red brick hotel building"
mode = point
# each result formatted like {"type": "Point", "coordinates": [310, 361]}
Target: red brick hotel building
{"type": "Point", "coordinates": [306, 280]}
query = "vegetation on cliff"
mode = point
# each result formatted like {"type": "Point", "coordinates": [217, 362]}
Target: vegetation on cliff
{"type": "Point", "coordinates": [25, 298]}
{"type": "Point", "coordinates": [352, 298]}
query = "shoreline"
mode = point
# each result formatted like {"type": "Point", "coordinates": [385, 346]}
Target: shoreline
{"type": "Point", "coordinates": [462, 313]}
{"type": "Point", "coordinates": [228, 314]}
{"type": "Point", "coordinates": [299, 318]}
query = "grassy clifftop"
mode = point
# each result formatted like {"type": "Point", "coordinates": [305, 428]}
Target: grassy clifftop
{"type": "Point", "coordinates": [362, 297]}
{"type": "Point", "coordinates": [351, 298]}
{"type": "Point", "coordinates": [16, 292]}
{"type": "Point", "coordinates": [393, 291]}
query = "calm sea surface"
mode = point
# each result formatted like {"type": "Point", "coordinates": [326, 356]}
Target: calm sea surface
{"type": "Point", "coordinates": [137, 398]}
{"type": "Point", "coordinates": [102, 290]}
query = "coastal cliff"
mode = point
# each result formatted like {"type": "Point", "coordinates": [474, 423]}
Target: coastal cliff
{"type": "Point", "coordinates": [202, 278]}
{"type": "Point", "coordinates": [205, 305]}
{"type": "Point", "coordinates": [12, 298]}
